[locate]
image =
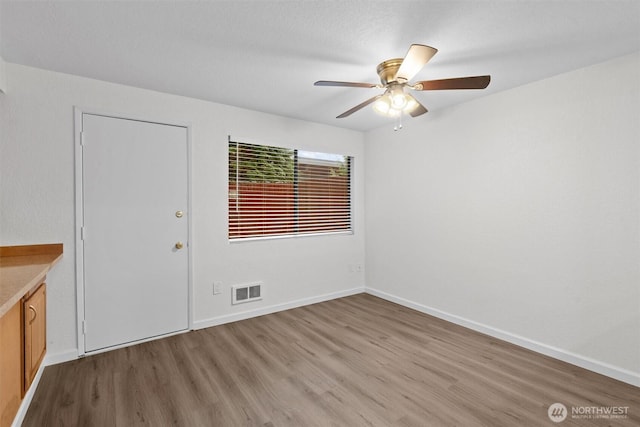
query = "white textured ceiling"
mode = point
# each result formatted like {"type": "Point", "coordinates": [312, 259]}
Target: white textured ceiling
{"type": "Point", "coordinates": [265, 55]}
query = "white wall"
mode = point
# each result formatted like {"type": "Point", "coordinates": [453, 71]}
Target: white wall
{"type": "Point", "coordinates": [519, 214]}
{"type": "Point", "coordinates": [37, 195]}
{"type": "Point", "coordinates": [3, 76]}
{"type": "Point", "coordinates": [522, 208]}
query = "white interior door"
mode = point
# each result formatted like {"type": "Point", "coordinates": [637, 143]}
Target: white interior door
{"type": "Point", "coordinates": [134, 182]}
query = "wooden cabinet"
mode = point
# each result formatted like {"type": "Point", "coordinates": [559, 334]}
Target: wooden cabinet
{"type": "Point", "coordinates": [23, 317]}
{"type": "Point", "coordinates": [34, 310]}
{"type": "Point", "coordinates": [10, 364]}
{"type": "Point", "coordinates": [23, 341]}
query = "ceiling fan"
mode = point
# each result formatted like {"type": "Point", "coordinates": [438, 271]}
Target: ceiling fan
{"type": "Point", "coordinates": [394, 77]}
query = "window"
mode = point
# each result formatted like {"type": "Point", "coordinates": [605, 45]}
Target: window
{"type": "Point", "coordinates": [277, 191]}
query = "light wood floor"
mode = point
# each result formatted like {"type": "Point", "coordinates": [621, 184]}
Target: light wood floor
{"type": "Point", "coordinates": [354, 361]}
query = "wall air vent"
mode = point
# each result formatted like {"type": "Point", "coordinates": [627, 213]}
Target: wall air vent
{"type": "Point", "coordinates": [246, 293]}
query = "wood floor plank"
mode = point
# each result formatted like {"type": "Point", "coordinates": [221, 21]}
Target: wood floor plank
{"type": "Point", "coordinates": [354, 361]}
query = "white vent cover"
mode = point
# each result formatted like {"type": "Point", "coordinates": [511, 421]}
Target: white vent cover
{"type": "Point", "coordinates": [246, 293]}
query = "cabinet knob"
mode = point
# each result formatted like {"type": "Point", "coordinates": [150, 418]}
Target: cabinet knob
{"type": "Point", "coordinates": [179, 245]}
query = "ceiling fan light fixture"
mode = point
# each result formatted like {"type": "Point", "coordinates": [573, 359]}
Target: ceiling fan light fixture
{"type": "Point", "coordinates": [385, 106]}
{"type": "Point", "coordinates": [398, 98]}
{"type": "Point", "coordinates": [382, 105]}
{"type": "Point", "coordinates": [394, 102]}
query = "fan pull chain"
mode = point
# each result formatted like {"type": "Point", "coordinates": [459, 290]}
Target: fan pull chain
{"type": "Point", "coordinates": [398, 125]}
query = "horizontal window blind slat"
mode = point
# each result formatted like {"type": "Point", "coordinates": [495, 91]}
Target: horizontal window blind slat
{"type": "Point", "coordinates": [290, 225]}
{"type": "Point", "coordinates": [249, 221]}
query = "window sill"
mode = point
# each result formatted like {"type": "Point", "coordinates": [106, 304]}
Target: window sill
{"type": "Point", "coordinates": [289, 236]}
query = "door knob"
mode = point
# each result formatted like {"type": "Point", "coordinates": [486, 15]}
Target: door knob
{"type": "Point", "coordinates": [179, 245]}
{"type": "Point", "coordinates": [179, 214]}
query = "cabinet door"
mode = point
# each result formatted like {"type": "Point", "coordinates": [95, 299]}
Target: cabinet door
{"type": "Point", "coordinates": [35, 336]}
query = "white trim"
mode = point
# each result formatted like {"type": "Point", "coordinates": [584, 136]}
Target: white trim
{"type": "Point", "coordinates": [125, 116]}
{"type": "Point", "coordinates": [603, 368]}
{"type": "Point", "coordinates": [243, 315]}
{"type": "Point", "coordinates": [557, 353]}
{"type": "Point", "coordinates": [190, 291]}
{"type": "Point", "coordinates": [352, 201]}
{"type": "Point", "coordinates": [132, 343]}
{"type": "Point", "coordinates": [79, 221]}
{"type": "Point", "coordinates": [61, 357]}
{"type": "Point", "coordinates": [79, 218]}
{"type": "Point", "coordinates": [290, 236]}
{"type": "Point", "coordinates": [28, 396]}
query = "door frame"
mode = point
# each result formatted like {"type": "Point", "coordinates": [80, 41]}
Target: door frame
{"type": "Point", "coordinates": [78, 112]}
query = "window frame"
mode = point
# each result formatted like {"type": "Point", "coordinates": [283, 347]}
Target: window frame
{"type": "Point", "coordinates": [296, 234]}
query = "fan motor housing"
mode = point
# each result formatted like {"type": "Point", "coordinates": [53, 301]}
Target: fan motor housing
{"type": "Point", "coordinates": [388, 69]}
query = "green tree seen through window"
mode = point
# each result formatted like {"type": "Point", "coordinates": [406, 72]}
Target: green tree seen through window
{"type": "Point", "coordinates": [261, 163]}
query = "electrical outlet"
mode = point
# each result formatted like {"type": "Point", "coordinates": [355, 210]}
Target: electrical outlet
{"type": "Point", "coordinates": [217, 288]}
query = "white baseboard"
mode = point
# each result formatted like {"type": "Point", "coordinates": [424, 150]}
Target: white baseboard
{"type": "Point", "coordinates": [26, 400]}
{"type": "Point", "coordinates": [61, 357]}
{"type": "Point", "coordinates": [611, 371]}
{"type": "Point", "coordinates": [49, 359]}
{"type": "Point", "coordinates": [72, 354]}
{"type": "Point", "coordinates": [603, 368]}
{"type": "Point", "coordinates": [228, 318]}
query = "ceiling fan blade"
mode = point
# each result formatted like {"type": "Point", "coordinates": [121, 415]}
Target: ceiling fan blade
{"type": "Point", "coordinates": [419, 110]}
{"type": "Point", "coordinates": [476, 82]}
{"type": "Point", "coordinates": [358, 107]}
{"type": "Point", "coordinates": [416, 58]}
{"type": "Point", "coordinates": [343, 84]}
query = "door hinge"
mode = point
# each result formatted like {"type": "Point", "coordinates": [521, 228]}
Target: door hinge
{"type": "Point", "coordinates": [84, 327]}
{"type": "Point", "coordinates": [82, 233]}
{"type": "Point", "coordinates": [82, 138]}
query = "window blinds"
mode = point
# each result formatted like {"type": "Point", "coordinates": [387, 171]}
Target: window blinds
{"type": "Point", "coordinates": [276, 191]}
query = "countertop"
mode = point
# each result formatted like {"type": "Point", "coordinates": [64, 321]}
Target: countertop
{"type": "Point", "coordinates": [22, 268]}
